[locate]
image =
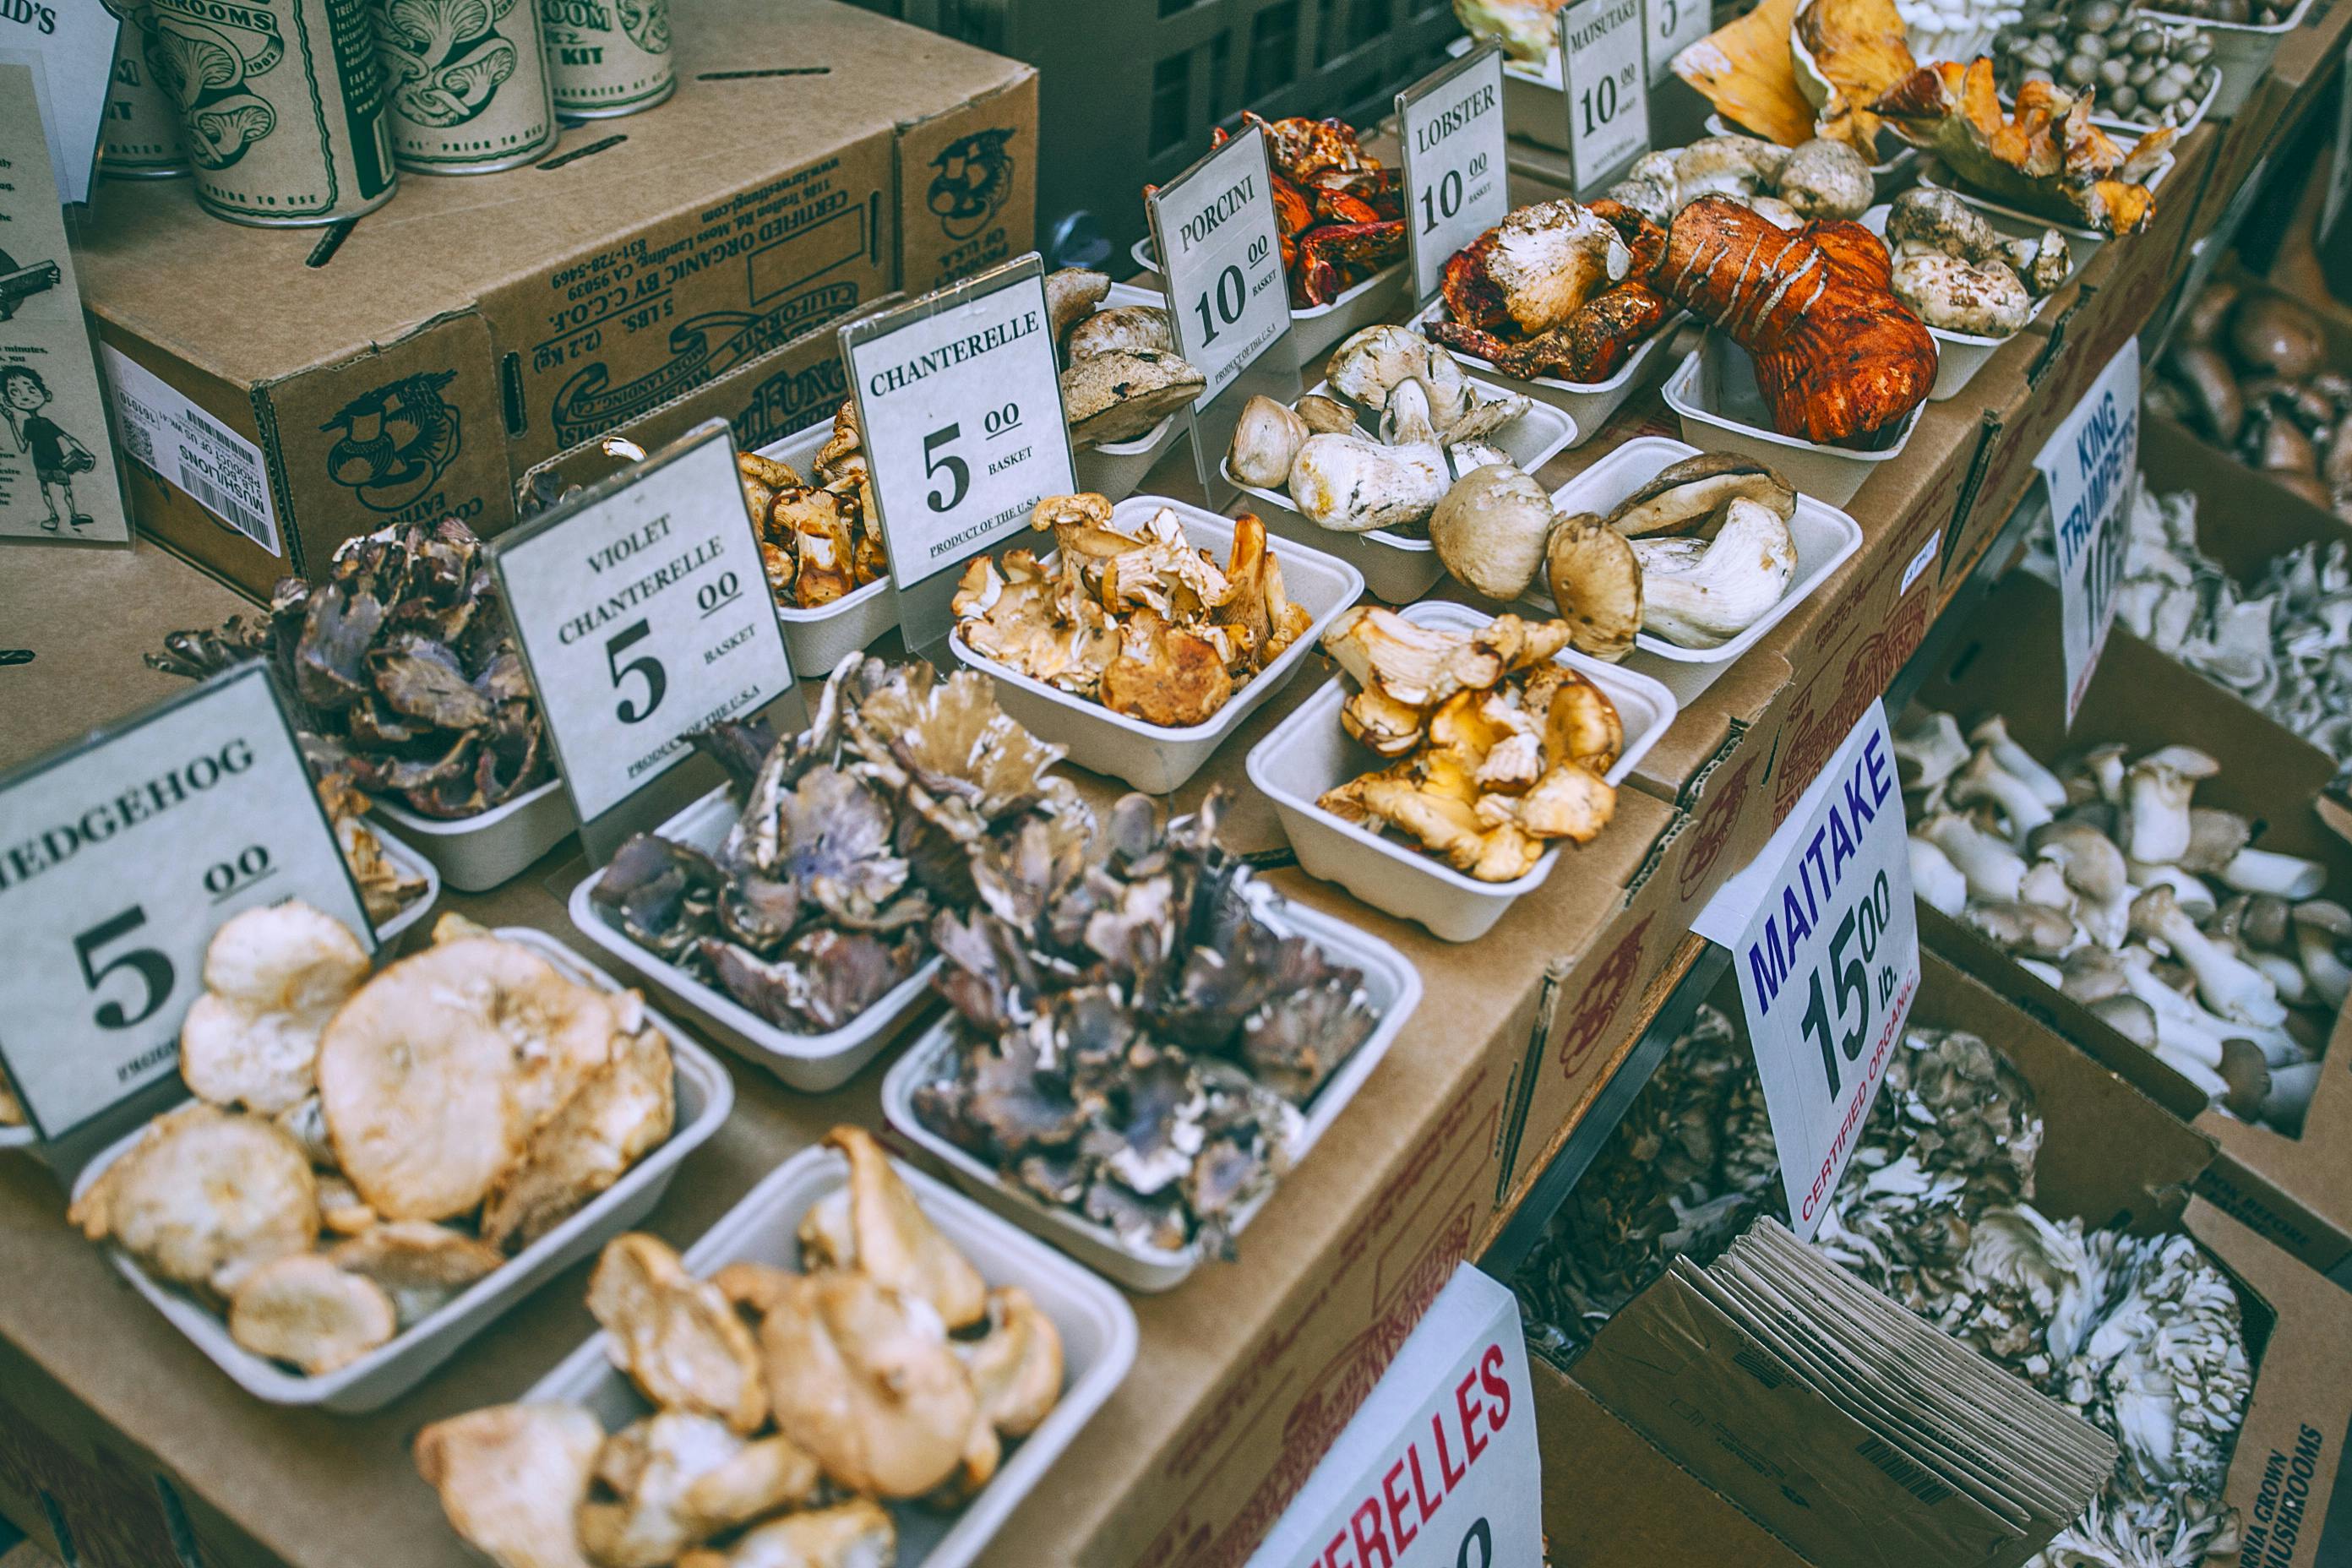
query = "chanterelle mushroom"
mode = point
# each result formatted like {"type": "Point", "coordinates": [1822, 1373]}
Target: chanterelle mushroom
{"type": "Point", "coordinates": [873, 1225]}
{"type": "Point", "coordinates": [864, 1378]}
{"type": "Point", "coordinates": [273, 976]}
{"type": "Point", "coordinates": [204, 1198]}
{"type": "Point", "coordinates": [677, 1337]}
{"type": "Point", "coordinates": [512, 1477]}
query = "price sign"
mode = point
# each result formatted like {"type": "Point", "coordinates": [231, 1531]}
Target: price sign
{"type": "Point", "coordinates": [643, 613]}
{"type": "Point", "coordinates": [119, 858]}
{"type": "Point", "coordinates": [1826, 943]}
{"type": "Point", "coordinates": [1603, 87]}
{"type": "Point", "coordinates": [1672, 26]}
{"type": "Point", "coordinates": [1454, 171]}
{"type": "Point", "coordinates": [1228, 301]}
{"type": "Point", "coordinates": [960, 397]}
{"type": "Point", "coordinates": [2088, 465]}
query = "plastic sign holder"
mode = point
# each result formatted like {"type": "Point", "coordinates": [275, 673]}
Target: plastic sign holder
{"type": "Point", "coordinates": [2089, 464]}
{"type": "Point", "coordinates": [1213, 229]}
{"type": "Point", "coordinates": [641, 606]}
{"type": "Point", "coordinates": [1826, 940]}
{"type": "Point", "coordinates": [1455, 157]}
{"type": "Point", "coordinates": [123, 854]}
{"type": "Point", "coordinates": [959, 407]}
{"type": "Point", "coordinates": [1604, 88]}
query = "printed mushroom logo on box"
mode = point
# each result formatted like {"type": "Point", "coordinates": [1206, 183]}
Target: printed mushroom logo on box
{"type": "Point", "coordinates": [395, 442]}
{"type": "Point", "coordinates": [975, 175]}
{"type": "Point", "coordinates": [205, 71]}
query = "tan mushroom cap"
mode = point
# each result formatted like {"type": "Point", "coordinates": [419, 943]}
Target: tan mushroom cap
{"type": "Point", "coordinates": [273, 976]}
{"type": "Point", "coordinates": [302, 1309]}
{"type": "Point", "coordinates": [624, 1109]}
{"type": "Point", "coordinates": [1016, 1369]}
{"type": "Point", "coordinates": [882, 1231]}
{"type": "Point", "coordinates": [512, 1479]}
{"type": "Point", "coordinates": [204, 1198]}
{"type": "Point", "coordinates": [435, 1073]}
{"type": "Point", "coordinates": [855, 1534]}
{"type": "Point", "coordinates": [1596, 583]}
{"type": "Point", "coordinates": [677, 1337]}
{"type": "Point", "coordinates": [1687, 493]}
{"type": "Point", "coordinates": [418, 1264]}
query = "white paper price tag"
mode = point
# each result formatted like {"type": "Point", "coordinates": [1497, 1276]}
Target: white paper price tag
{"type": "Point", "coordinates": [1826, 943]}
{"type": "Point", "coordinates": [1603, 87]}
{"type": "Point", "coordinates": [1221, 257]}
{"type": "Point", "coordinates": [1673, 25]}
{"type": "Point", "coordinates": [119, 858]}
{"type": "Point", "coordinates": [1455, 186]}
{"type": "Point", "coordinates": [643, 611]}
{"type": "Point", "coordinates": [960, 397]}
{"type": "Point", "coordinates": [2088, 466]}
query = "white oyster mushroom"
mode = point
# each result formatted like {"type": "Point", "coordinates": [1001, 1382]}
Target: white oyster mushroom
{"type": "Point", "coordinates": [1741, 576]}
{"type": "Point", "coordinates": [1992, 867]}
{"type": "Point", "coordinates": [1985, 782]}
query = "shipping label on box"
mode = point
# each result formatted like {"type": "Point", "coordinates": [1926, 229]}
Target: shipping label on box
{"type": "Point", "coordinates": [1438, 1469]}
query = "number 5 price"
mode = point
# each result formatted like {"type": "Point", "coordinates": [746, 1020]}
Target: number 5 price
{"type": "Point", "coordinates": [1854, 947]}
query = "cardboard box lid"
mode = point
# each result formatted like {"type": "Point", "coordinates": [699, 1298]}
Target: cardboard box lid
{"type": "Point", "coordinates": [156, 264]}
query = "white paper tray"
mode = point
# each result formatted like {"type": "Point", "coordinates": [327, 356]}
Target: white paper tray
{"type": "Point", "coordinates": [1096, 1324]}
{"type": "Point", "coordinates": [705, 1095]}
{"type": "Point", "coordinates": [818, 640]}
{"type": "Point", "coordinates": [1391, 987]}
{"type": "Point", "coordinates": [1934, 175]}
{"type": "Point", "coordinates": [2243, 50]}
{"type": "Point", "coordinates": [1959, 355]}
{"type": "Point", "coordinates": [1115, 469]}
{"type": "Point", "coordinates": [1588, 405]}
{"type": "Point", "coordinates": [1714, 392]}
{"type": "Point", "coordinates": [813, 1064]}
{"type": "Point", "coordinates": [1308, 753]}
{"type": "Point", "coordinates": [475, 854]}
{"type": "Point", "coordinates": [1146, 756]}
{"type": "Point", "coordinates": [1397, 568]}
{"type": "Point", "coordinates": [1317, 328]}
{"type": "Point", "coordinates": [406, 919]}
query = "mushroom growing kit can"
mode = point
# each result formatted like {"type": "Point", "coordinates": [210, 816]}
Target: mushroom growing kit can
{"type": "Point", "coordinates": [607, 57]}
{"type": "Point", "coordinates": [281, 104]}
{"type": "Point", "coordinates": [468, 84]}
{"type": "Point", "coordinates": [140, 138]}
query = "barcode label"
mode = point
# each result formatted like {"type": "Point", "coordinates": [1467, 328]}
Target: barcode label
{"type": "Point", "coordinates": [1904, 1471]}
{"type": "Point", "coordinates": [179, 443]}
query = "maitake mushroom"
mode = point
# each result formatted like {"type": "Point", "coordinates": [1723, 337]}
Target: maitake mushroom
{"type": "Point", "coordinates": [820, 536]}
{"type": "Point", "coordinates": [2155, 913]}
{"type": "Point", "coordinates": [1498, 747]}
{"type": "Point", "coordinates": [401, 669]}
{"type": "Point", "coordinates": [1142, 620]}
{"type": "Point", "coordinates": [785, 1407]}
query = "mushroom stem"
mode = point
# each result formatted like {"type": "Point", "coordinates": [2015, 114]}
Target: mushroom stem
{"type": "Point", "coordinates": [2285, 976]}
{"type": "Point", "coordinates": [1984, 779]}
{"type": "Point", "coordinates": [2156, 813]}
{"type": "Point", "coordinates": [2230, 987]}
{"type": "Point", "coordinates": [2018, 762]}
{"type": "Point", "coordinates": [2267, 871]}
{"type": "Point", "coordinates": [2187, 887]}
{"type": "Point", "coordinates": [2289, 1096]}
{"type": "Point", "coordinates": [1935, 879]}
{"type": "Point", "coordinates": [2318, 926]}
{"type": "Point", "coordinates": [1993, 869]}
{"type": "Point", "coordinates": [1928, 750]}
{"type": "Point", "coordinates": [2181, 1025]}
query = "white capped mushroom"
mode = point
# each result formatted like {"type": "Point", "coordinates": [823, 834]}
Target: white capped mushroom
{"type": "Point", "coordinates": [1741, 576]}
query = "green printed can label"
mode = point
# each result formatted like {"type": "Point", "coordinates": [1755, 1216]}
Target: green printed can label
{"type": "Point", "coordinates": [469, 86]}
{"type": "Point", "coordinates": [282, 106]}
{"type": "Point", "coordinates": [607, 57]}
{"type": "Point", "coordinates": [140, 139]}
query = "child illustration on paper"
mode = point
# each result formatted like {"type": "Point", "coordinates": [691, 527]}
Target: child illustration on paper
{"type": "Point", "coordinates": [57, 457]}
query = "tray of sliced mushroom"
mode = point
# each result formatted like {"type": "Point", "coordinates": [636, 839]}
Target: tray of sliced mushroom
{"type": "Point", "coordinates": [854, 1366]}
{"type": "Point", "coordinates": [1149, 634]}
{"type": "Point", "coordinates": [1446, 812]}
{"type": "Point", "coordinates": [373, 1168]}
{"type": "Point", "coordinates": [1265, 1022]}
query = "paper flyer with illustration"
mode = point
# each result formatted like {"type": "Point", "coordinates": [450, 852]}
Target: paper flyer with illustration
{"type": "Point", "coordinates": [57, 468]}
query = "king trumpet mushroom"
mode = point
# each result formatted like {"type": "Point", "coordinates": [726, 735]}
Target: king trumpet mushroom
{"type": "Point", "coordinates": [1935, 879]}
{"type": "Point", "coordinates": [1985, 781]}
{"type": "Point", "coordinates": [2320, 927]}
{"type": "Point", "coordinates": [2230, 987]}
{"type": "Point", "coordinates": [1993, 734]}
{"type": "Point", "coordinates": [1993, 869]}
{"type": "Point", "coordinates": [2156, 802]}
{"type": "Point", "coordinates": [1928, 750]}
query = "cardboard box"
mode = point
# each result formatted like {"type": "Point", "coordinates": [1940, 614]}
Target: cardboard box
{"type": "Point", "coordinates": [1715, 765]}
{"type": "Point", "coordinates": [2109, 1155]}
{"type": "Point", "coordinates": [2243, 520]}
{"type": "Point", "coordinates": [815, 157]}
{"type": "Point", "coordinates": [2296, 1192]}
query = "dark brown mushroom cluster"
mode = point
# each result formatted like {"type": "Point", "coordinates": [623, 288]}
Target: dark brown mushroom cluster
{"type": "Point", "coordinates": [852, 834]}
{"type": "Point", "coordinates": [402, 670]}
{"type": "Point", "coordinates": [1134, 1042]}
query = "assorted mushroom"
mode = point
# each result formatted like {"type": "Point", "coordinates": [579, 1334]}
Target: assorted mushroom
{"type": "Point", "coordinates": [2251, 373]}
{"type": "Point", "coordinates": [1132, 615]}
{"type": "Point", "coordinates": [401, 671]}
{"type": "Point", "coordinates": [2107, 882]}
{"type": "Point", "coordinates": [1817, 178]}
{"type": "Point", "coordinates": [1428, 424]}
{"type": "Point", "coordinates": [1957, 272]}
{"type": "Point", "coordinates": [362, 1148]}
{"type": "Point", "coordinates": [820, 536]}
{"type": "Point", "coordinates": [852, 835]}
{"type": "Point", "coordinates": [1135, 1042]}
{"type": "Point", "coordinates": [2148, 72]}
{"type": "Point", "coordinates": [784, 1409]}
{"type": "Point", "coordinates": [1121, 374]}
{"type": "Point", "coordinates": [2141, 1335]}
{"type": "Point", "coordinates": [1495, 746]}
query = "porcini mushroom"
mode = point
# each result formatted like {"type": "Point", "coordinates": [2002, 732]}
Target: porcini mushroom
{"type": "Point", "coordinates": [1266, 442]}
{"type": "Point", "coordinates": [1707, 599]}
{"type": "Point", "coordinates": [1491, 528]}
{"type": "Point", "coordinates": [1686, 493]}
{"type": "Point", "coordinates": [1597, 583]}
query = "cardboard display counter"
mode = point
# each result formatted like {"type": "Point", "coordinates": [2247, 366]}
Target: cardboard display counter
{"type": "Point", "coordinates": [2110, 1155]}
